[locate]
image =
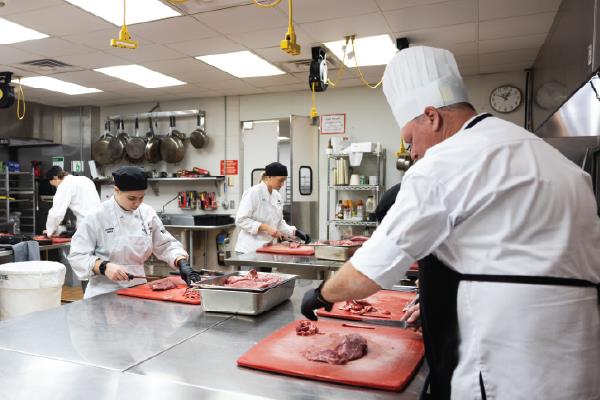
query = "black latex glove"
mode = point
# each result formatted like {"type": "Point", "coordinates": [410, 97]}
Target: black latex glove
{"type": "Point", "coordinates": [305, 237]}
{"type": "Point", "coordinates": [187, 273]}
{"type": "Point", "coordinates": [312, 301]}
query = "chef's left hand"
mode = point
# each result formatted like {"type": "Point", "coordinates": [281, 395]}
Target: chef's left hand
{"type": "Point", "coordinates": [187, 273]}
{"type": "Point", "coordinates": [305, 237]}
{"type": "Point", "coordinates": [313, 301]}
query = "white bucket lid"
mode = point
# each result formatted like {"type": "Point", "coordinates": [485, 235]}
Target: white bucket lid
{"type": "Point", "coordinates": [32, 275]}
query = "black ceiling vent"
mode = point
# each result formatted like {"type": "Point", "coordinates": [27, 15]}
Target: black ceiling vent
{"type": "Point", "coordinates": [48, 65]}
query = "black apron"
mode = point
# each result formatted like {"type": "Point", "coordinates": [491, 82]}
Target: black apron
{"type": "Point", "coordinates": [438, 289]}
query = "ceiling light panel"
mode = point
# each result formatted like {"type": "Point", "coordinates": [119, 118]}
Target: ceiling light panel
{"type": "Point", "coordinates": [242, 64]}
{"type": "Point", "coordinates": [140, 75]}
{"type": "Point", "coordinates": [370, 50]}
{"type": "Point", "coordinates": [56, 85]}
{"type": "Point", "coordinates": [15, 33]}
{"type": "Point", "coordinates": [137, 10]}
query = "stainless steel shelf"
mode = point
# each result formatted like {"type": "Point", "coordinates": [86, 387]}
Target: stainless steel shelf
{"type": "Point", "coordinates": [184, 179]}
{"type": "Point", "coordinates": [355, 187]}
{"type": "Point", "coordinates": [17, 191]}
{"type": "Point", "coordinates": [338, 155]}
{"type": "Point", "coordinates": [348, 222]}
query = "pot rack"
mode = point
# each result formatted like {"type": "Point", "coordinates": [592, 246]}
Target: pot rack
{"type": "Point", "coordinates": [157, 115]}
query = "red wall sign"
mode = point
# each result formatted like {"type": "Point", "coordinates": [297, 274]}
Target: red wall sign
{"type": "Point", "coordinates": [229, 167]}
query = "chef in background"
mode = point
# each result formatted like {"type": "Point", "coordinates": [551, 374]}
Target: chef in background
{"type": "Point", "coordinates": [506, 233]}
{"type": "Point", "coordinates": [260, 215]}
{"type": "Point", "coordinates": [77, 193]}
{"type": "Point", "coordinates": [114, 241]}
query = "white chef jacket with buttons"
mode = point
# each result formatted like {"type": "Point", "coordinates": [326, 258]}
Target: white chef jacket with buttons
{"type": "Point", "coordinates": [257, 207]}
{"type": "Point", "coordinates": [75, 192]}
{"type": "Point", "coordinates": [127, 238]}
{"type": "Point", "coordinates": [496, 199]}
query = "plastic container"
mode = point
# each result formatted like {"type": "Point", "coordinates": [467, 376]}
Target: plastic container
{"type": "Point", "coordinates": [30, 286]}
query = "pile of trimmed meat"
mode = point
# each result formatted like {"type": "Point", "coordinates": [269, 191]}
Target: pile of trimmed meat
{"type": "Point", "coordinates": [361, 307]}
{"type": "Point", "coordinates": [166, 284]}
{"type": "Point", "coordinates": [354, 241]}
{"type": "Point", "coordinates": [340, 350]}
{"type": "Point", "coordinates": [306, 328]}
{"type": "Point", "coordinates": [252, 280]}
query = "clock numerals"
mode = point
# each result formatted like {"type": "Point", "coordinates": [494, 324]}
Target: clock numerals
{"type": "Point", "coordinates": [505, 99]}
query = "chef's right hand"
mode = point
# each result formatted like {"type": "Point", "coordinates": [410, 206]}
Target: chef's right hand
{"type": "Point", "coordinates": [274, 233]}
{"type": "Point", "coordinates": [115, 272]}
{"type": "Point", "coordinates": [412, 314]}
{"type": "Point", "coordinates": [313, 301]}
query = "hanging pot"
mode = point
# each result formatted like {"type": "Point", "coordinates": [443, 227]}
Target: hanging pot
{"type": "Point", "coordinates": [104, 150]}
{"type": "Point", "coordinates": [152, 150]}
{"type": "Point", "coordinates": [135, 148]}
{"type": "Point", "coordinates": [199, 138]}
{"type": "Point", "coordinates": [171, 147]}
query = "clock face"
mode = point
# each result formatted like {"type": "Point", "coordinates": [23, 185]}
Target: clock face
{"type": "Point", "coordinates": [505, 99]}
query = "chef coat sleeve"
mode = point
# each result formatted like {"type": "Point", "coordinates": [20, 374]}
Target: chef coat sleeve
{"type": "Point", "coordinates": [82, 256]}
{"type": "Point", "coordinates": [287, 230]}
{"type": "Point", "coordinates": [244, 217]}
{"type": "Point", "coordinates": [415, 226]}
{"type": "Point", "coordinates": [60, 203]}
{"type": "Point", "coordinates": [164, 245]}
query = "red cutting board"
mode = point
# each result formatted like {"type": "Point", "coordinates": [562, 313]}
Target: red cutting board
{"type": "Point", "coordinates": [58, 240]}
{"type": "Point", "coordinates": [390, 300]}
{"type": "Point", "coordinates": [145, 292]}
{"type": "Point", "coordinates": [282, 249]}
{"type": "Point", "coordinates": [393, 356]}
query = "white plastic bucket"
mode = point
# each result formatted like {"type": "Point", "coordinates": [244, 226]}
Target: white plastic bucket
{"type": "Point", "coordinates": [30, 286]}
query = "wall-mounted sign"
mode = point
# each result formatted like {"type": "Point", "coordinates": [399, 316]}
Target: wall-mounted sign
{"type": "Point", "coordinates": [77, 166]}
{"type": "Point", "coordinates": [58, 161]}
{"type": "Point", "coordinates": [333, 123]}
{"type": "Point", "coordinates": [229, 167]}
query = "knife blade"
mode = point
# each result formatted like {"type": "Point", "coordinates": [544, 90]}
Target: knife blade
{"type": "Point", "coordinates": [383, 322]}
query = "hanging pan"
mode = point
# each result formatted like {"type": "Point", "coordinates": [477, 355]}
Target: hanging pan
{"type": "Point", "coordinates": [152, 151]}
{"type": "Point", "coordinates": [135, 148]}
{"type": "Point", "coordinates": [104, 150]}
{"type": "Point", "coordinates": [199, 138]}
{"type": "Point", "coordinates": [171, 147]}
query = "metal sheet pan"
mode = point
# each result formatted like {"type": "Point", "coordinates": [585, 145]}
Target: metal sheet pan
{"type": "Point", "coordinates": [218, 282]}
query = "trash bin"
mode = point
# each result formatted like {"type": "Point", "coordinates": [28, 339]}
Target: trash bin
{"type": "Point", "coordinates": [30, 286]}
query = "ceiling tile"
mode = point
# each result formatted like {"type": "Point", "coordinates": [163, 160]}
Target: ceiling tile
{"type": "Point", "coordinates": [319, 10]}
{"type": "Point", "coordinates": [517, 26]}
{"type": "Point", "coordinates": [264, 81]}
{"type": "Point", "coordinates": [432, 15]}
{"type": "Point", "coordinates": [512, 43]}
{"type": "Point", "coordinates": [11, 55]}
{"type": "Point", "coordinates": [296, 87]}
{"type": "Point", "coordinates": [276, 55]}
{"type": "Point", "coordinates": [60, 20]}
{"type": "Point", "coordinates": [243, 19]}
{"type": "Point", "coordinates": [492, 69]}
{"type": "Point", "coordinates": [52, 47]}
{"type": "Point", "coordinates": [93, 60]}
{"type": "Point", "coordinates": [364, 25]}
{"type": "Point", "coordinates": [522, 56]}
{"type": "Point", "coordinates": [186, 64]}
{"type": "Point", "coordinates": [494, 9]}
{"type": "Point", "coordinates": [201, 47]}
{"type": "Point", "coordinates": [460, 33]}
{"type": "Point", "coordinates": [173, 30]}
{"type": "Point", "coordinates": [150, 52]}
{"type": "Point", "coordinates": [386, 5]}
{"type": "Point", "coordinates": [195, 7]}
{"type": "Point", "coordinates": [468, 71]}
{"type": "Point", "coordinates": [269, 37]}
{"type": "Point", "coordinates": [17, 71]}
{"type": "Point", "coordinates": [19, 6]}
{"type": "Point", "coordinates": [467, 61]}
{"type": "Point", "coordinates": [202, 75]}
{"type": "Point", "coordinates": [85, 78]}
{"type": "Point", "coordinates": [100, 39]}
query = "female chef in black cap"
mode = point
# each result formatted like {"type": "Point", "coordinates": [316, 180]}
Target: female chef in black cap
{"type": "Point", "coordinates": [260, 215]}
{"type": "Point", "coordinates": [115, 240]}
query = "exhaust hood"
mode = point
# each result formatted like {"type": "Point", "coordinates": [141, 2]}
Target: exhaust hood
{"type": "Point", "coordinates": [42, 126]}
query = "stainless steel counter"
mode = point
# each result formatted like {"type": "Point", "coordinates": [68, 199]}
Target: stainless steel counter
{"type": "Point", "coordinates": [284, 263]}
{"type": "Point", "coordinates": [6, 251]}
{"type": "Point", "coordinates": [116, 347]}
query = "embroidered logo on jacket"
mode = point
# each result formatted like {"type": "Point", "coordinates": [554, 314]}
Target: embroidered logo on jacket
{"type": "Point", "coordinates": [109, 230]}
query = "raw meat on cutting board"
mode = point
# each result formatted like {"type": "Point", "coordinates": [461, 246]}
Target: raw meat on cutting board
{"type": "Point", "coordinates": [341, 349]}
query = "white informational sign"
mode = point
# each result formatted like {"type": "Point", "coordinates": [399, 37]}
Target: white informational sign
{"type": "Point", "coordinates": [77, 166]}
{"type": "Point", "coordinates": [93, 170]}
{"type": "Point", "coordinates": [333, 123]}
{"type": "Point", "coordinates": [58, 161]}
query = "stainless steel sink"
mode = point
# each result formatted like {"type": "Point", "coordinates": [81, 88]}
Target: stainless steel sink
{"type": "Point", "coordinates": [177, 219]}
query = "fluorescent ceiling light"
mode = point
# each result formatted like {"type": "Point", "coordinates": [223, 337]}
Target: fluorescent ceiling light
{"type": "Point", "coordinates": [242, 64]}
{"type": "Point", "coordinates": [56, 85]}
{"type": "Point", "coordinates": [15, 33]}
{"type": "Point", "coordinates": [140, 76]}
{"type": "Point", "coordinates": [371, 50]}
{"type": "Point", "coordinates": [137, 10]}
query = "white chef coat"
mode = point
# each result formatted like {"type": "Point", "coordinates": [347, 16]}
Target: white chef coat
{"type": "Point", "coordinates": [75, 192]}
{"type": "Point", "coordinates": [122, 237]}
{"type": "Point", "coordinates": [257, 207]}
{"type": "Point", "coordinates": [496, 199]}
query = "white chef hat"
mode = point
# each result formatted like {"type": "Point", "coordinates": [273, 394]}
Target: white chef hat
{"type": "Point", "coordinates": [418, 77]}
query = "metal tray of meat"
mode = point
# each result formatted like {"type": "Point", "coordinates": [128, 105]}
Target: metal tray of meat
{"type": "Point", "coordinates": [335, 253]}
{"type": "Point", "coordinates": [247, 302]}
{"type": "Point", "coordinates": [218, 282]}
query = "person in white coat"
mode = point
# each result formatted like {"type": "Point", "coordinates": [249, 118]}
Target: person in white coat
{"type": "Point", "coordinates": [113, 242]}
{"type": "Point", "coordinates": [260, 215]}
{"type": "Point", "coordinates": [77, 193]}
{"type": "Point", "coordinates": [506, 232]}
